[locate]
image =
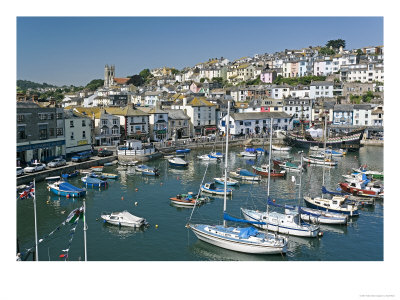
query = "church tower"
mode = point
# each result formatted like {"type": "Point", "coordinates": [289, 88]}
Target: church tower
{"type": "Point", "coordinates": [109, 74]}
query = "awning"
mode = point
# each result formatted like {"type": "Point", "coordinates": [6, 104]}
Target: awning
{"type": "Point", "coordinates": [211, 128]}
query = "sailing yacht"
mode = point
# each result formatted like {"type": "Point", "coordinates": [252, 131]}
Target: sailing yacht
{"type": "Point", "coordinates": [240, 239]}
{"type": "Point", "coordinates": [286, 223]}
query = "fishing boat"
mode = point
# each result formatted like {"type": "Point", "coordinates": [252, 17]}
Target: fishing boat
{"type": "Point", "coordinates": [263, 171]}
{"type": "Point", "coordinates": [356, 200]}
{"type": "Point", "coordinates": [244, 174]}
{"type": "Point", "coordinates": [183, 151]}
{"type": "Point", "coordinates": [211, 188]}
{"type": "Point", "coordinates": [70, 175]}
{"type": "Point", "coordinates": [97, 168]}
{"type": "Point", "coordinates": [216, 155]}
{"type": "Point", "coordinates": [62, 188]}
{"type": "Point", "coordinates": [281, 148]}
{"type": "Point", "coordinates": [207, 157]}
{"type": "Point", "coordinates": [286, 223]}
{"type": "Point", "coordinates": [123, 218]}
{"type": "Point", "coordinates": [361, 188]}
{"type": "Point", "coordinates": [333, 152]}
{"type": "Point", "coordinates": [93, 181]}
{"type": "Point", "coordinates": [337, 204]}
{"type": "Point", "coordinates": [317, 161]}
{"type": "Point", "coordinates": [229, 181]}
{"type": "Point", "coordinates": [188, 200]}
{"type": "Point", "coordinates": [247, 239]}
{"type": "Point", "coordinates": [177, 162]}
{"type": "Point", "coordinates": [150, 171]}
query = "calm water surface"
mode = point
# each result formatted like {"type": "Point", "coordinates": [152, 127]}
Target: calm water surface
{"type": "Point", "coordinates": [360, 240]}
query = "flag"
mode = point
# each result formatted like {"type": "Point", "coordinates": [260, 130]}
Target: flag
{"type": "Point", "coordinates": [75, 215]}
{"type": "Point", "coordinates": [28, 192]}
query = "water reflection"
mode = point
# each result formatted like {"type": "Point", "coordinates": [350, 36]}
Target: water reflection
{"type": "Point", "coordinates": [207, 251]}
{"type": "Point", "coordinates": [122, 232]}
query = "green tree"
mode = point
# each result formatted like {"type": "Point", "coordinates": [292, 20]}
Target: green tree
{"type": "Point", "coordinates": [336, 44]}
{"type": "Point", "coordinates": [94, 84]}
{"type": "Point", "coordinates": [218, 79]}
{"type": "Point", "coordinates": [326, 51]}
{"type": "Point", "coordinates": [136, 80]}
{"type": "Point", "coordinates": [202, 80]}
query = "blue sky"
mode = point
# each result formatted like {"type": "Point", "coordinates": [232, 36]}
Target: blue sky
{"type": "Point", "coordinates": [74, 50]}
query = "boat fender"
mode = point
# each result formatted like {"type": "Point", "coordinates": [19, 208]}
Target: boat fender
{"type": "Point", "coordinates": [156, 226]}
{"type": "Point", "coordinates": [136, 203]}
{"type": "Point", "coordinates": [68, 195]}
{"type": "Point", "coordinates": [320, 234]}
{"type": "Point", "coordinates": [136, 189]}
{"type": "Point", "coordinates": [122, 198]}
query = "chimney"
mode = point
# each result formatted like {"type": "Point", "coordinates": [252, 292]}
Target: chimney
{"type": "Point", "coordinates": [184, 101]}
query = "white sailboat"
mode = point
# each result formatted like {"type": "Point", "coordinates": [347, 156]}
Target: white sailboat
{"type": "Point", "coordinates": [287, 223]}
{"type": "Point", "coordinates": [247, 239]}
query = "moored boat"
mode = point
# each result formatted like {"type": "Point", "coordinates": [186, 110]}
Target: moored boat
{"type": "Point", "coordinates": [93, 181]}
{"type": "Point", "coordinates": [317, 161]}
{"type": "Point", "coordinates": [183, 151]}
{"type": "Point", "coordinates": [263, 171]}
{"type": "Point", "coordinates": [211, 188]}
{"type": "Point", "coordinates": [281, 148]}
{"type": "Point", "coordinates": [337, 204]}
{"type": "Point", "coordinates": [97, 168]}
{"type": "Point", "coordinates": [62, 188]}
{"type": "Point", "coordinates": [208, 157]}
{"type": "Point", "coordinates": [188, 200]}
{"type": "Point", "coordinates": [70, 175]}
{"type": "Point", "coordinates": [109, 175]}
{"type": "Point", "coordinates": [229, 181]}
{"type": "Point", "coordinates": [245, 175]}
{"type": "Point", "coordinates": [361, 188]}
{"type": "Point", "coordinates": [177, 162]}
{"type": "Point", "coordinates": [123, 218]}
{"type": "Point", "coordinates": [150, 172]}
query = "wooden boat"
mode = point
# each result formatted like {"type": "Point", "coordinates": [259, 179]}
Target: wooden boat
{"type": "Point", "coordinates": [211, 188]}
{"type": "Point", "coordinates": [337, 204]}
{"type": "Point", "coordinates": [188, 200]}
{"type": "Point", "coordinates": [229, 181]}
{"type": "Point", "coordinates": [263, 171]}
{"type": "Point", "coordinates": [62, 188]}
{"type": "Point", "coordinates": [281, 148]}
{"type": "Point", "coordinates": [71, 174]}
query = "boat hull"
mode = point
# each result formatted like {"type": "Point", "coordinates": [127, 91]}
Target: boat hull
{"type": "Point", "coordinates": [67, 193]}
{"type": "Point", "coordinates": [285, 228]}
{"type": "Point", "coordinates": [216, 192]}
{"type": "Point", "coordinates": [311, 204]}
{"type": "Point", "coordinates": [234, 244]}
{"type": "Point", "coordinates": [265, 173]}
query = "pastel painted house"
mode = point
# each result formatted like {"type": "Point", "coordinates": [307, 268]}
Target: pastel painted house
{"type": "Point", "coordinates": [268, 76]}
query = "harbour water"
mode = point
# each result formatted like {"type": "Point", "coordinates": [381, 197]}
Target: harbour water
{"type": "Point", "coordinates": [167, 238]}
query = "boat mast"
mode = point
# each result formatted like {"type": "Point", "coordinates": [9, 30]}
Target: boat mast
{"type": "Point", "coordinates": [269, 166]}
{"type": "Point", "coordinates": [84, 226]}
{"type": "Point", "coordinates": [323, 166]}
{"type": "Point", "coordinates": [34, 209]}
{"type": "Point", "coordinates": [227, 129]}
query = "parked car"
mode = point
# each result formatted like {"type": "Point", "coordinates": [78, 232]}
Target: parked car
{"type": "Point", "coordinates": [82, 156]}
{"type": "Point", "coordinates": [20, 171]}
{"type": "Point", "coordinates": [34, 167]}
{"type": "Point", "coordinates": [105, 152]}
{"type": "Point", "coordinates": [57, 162]}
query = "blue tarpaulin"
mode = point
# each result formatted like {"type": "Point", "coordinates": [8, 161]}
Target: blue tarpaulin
{"type": "Point", "coordinates": [246, 173]}
{"type": "Point", "coordinates": [247, 232]}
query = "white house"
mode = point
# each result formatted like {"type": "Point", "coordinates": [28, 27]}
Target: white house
{"type": "Point", "coordinates": [280, 91]}
{"type": "Point", "coordinates": [78, 132]}
{"type": "Point", "coordinates": [321, 89]}
{"type": "Point", "coordinates": [362, 114]}
{"type": "Point", "coordinates": [255, 122]}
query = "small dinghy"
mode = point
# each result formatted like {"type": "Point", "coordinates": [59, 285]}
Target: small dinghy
{"type": "Point", "coordinates": [123, 218]}
{"type": "Point", "coordinates": [211, 188]}
{"type": "Point", "coordinates": [177, 162]}
{"type": "Point", "coordinates": [188, 200]}
{"type": "Point", "coordinates": [229, 181]}
{"type": "Point", "coordinates": [93, 182]}
{"type": "Point", "coordinates": [97, 169]}
{"type": "Point", "coordinates": [71, 174]}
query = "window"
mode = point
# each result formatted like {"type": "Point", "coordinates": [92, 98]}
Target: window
{"type": "Point", "coordinates": [43, 132]}
{"type": "Point", "coordinates": [59, 131]}
{"type": "Point", "coordinates": [71, 124]}
{"type": "Point", "coordinates": [59, 115]}
{"type": "Point", "coordinates": [83, 123]}
{"type": "Point", "coordinates": [115, 121]}
{"type": "Point", "coordinates": [21, 132]}
{"type": "Point", "coordinates": [51, 131]}
{"type": "Point", "coordinates": [72, 135]}
{"type": "Point", "coordinates": [83, 134]}
{"type": "Point", "coordinates": [366, 115]}
{"type": "Point", "coordinates": [241, 123]}
{"type": "Point", "coordinates": [42, 116]}
{"type": "Point", "coordinates": [104, 122]}
{"type": "Point", "coordinates": [20, 118]}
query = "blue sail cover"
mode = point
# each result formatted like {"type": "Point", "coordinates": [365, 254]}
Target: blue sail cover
{"type": "Point", "coordinates": [246, 173]}
{"type": "Point", "coordinates": [250, 150]}
{"type": "Point", "coordinates": [260, 149]}
{"type": "Point", "coordinates": [270, 202]}
{"type": "Point", "coordinates": [325, 191]}
{"type": "Point", "coordinates": [229, 218]}
{"type": "Point", "coordinates": [245, 233]}
{"type": "Point", "coordinates": [65, 186]}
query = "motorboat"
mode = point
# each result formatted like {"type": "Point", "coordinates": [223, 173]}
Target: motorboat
{"type": "Point", "coordinates": [362, 188]}
{"type": "Point", "coordinates": [70, 175]}
{"type": "Point", "coordinates": [150, 172]}
{"type": "Point", "coordinates": [97, 169]}
{"type": "Point", "coordinates": [261, 151]}
{"type": "Point", "coordinates": [318, 216]}
{"type": "Point", "coordinates": [183, 151]}
{"type": "Point", "coordinates": [289, 166]}
{"type": "Point", "coordinates": [337, 204]}
{"type": "Point", "coordinates": [62, 188]}
{"type": "Point", "coordinates": [177, 162]}
{"type": "Point", "coordinates": [249, 153]}
{"type": "Point", "coordinates": [109, 175]}
{"type": "Point", "coordinates": [216, 155]}
{"type": "Point", "coordinates": [211, 188]}
{"type": "Point", "coordinates": [263, 171]}
{"type": "Point", "coordinates": [123, 218]}
{"type": "Point", "coordinates": [316, 161]}
{"type": "Point", "coordinates": [53, 178]}
{"type": "Point", "coordinates": [208, 157]}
